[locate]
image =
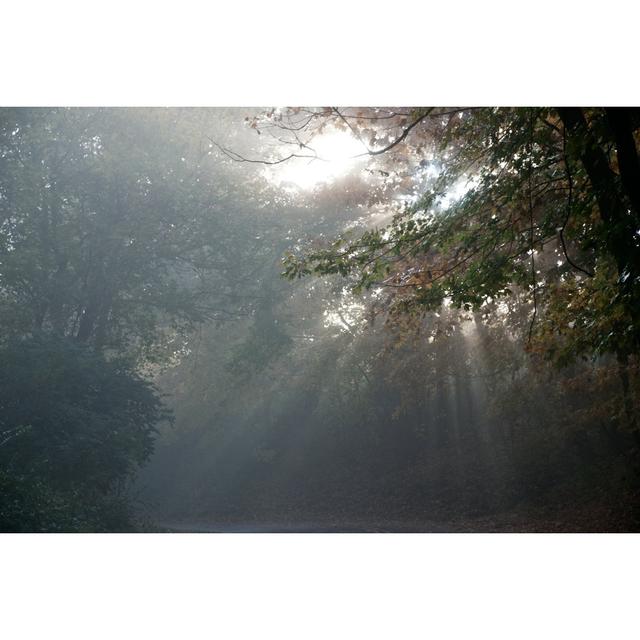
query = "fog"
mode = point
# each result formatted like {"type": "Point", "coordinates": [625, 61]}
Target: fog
{"type": "Point", "coordinates": [188, 347]}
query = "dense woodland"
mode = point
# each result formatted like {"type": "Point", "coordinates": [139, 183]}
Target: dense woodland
{"type": "Point", "coordinates": [335, 319]}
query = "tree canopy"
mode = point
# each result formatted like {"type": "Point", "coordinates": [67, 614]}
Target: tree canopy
{"type": "Point", "coordinates": [534, 201]}
{"type": "Point", "coordinates": [117, 239]}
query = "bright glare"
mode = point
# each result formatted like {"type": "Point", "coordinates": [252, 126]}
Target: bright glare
{"type": "Point", "coordinates": [347, 314]}
{"type": "Point", "coordinates": [458, 191]}
{"type": "Point", "coordinates": [336, 156]}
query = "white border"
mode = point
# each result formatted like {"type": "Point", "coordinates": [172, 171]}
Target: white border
{"type": "Point", "coordinates": [319, 587]}
{"type": "Point", "coordinates": [195, 53]}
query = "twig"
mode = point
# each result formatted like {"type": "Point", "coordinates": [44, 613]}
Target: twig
{"type": "Point", "coordinates": [569, 203]}
{"type": "Point", "coordinates": [236, 157]}
{"type": "Point", "coordinates": [399, 139]}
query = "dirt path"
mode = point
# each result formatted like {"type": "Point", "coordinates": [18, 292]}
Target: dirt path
{"type": "Point", "coordinates": [308, 527]}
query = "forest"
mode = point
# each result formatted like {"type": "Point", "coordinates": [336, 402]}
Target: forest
{"type": "Point", "coordinates": [328, 319]}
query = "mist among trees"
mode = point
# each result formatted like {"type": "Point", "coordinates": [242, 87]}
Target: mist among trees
{"type": "Point", "coordinates": [319, 319]}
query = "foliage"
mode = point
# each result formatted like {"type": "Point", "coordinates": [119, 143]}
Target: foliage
{"type": "Point", "coordinates": [137, 247]}
{"type": "Point", "coordinates": [112, 230]}
{"type": "Point", "coordinates": [117, 238]}
{"type": "Point", "coordinates": [537, 212]}
{"type": "Point", "coordinates": [73, 428]}
{"type": "Point", "coordinates": [494, 239]}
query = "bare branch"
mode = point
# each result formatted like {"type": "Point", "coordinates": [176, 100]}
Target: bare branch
{"type": "Point", "coordinates": [236, 157]}
{"type": "Point", "coordinates": [399, 139]}
{"type": "Point", "coordinates": [569, 202]}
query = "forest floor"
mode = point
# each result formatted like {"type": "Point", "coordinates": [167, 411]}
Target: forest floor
{"type": "Point", "coordinates": [565, 509]}
{"type": "Point", "coordinates": [593, 517]}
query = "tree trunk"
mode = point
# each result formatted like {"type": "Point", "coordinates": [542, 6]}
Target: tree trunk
{"type": "Point", "coordinates": [620, 121]}
{"type": "Point", "coordinates": [604, 181]}
{"type": "Point", "coordinates": [620, 219]}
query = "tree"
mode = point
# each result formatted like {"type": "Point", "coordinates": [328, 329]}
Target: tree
{"type": "Point", "coordinates": [311, 407]}
{"type": "Point", "coordinates": [113, 230]}
{"type": "Point", "coordinates": [73, 429]}
{"type": "Point", "coordinates": [549, 198]}
{"type": "Point", "coordinates": [117, 238]}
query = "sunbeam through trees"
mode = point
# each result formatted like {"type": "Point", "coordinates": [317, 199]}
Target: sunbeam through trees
{"type": "Point", "coordinates": [319, 319]}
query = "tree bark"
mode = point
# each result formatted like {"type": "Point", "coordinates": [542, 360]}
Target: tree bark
{"type": "Point", "coordinates": [620, 219]}
{"type": "Point", "coordinates": [606, 190]}
{"type": "Point", "coordinates": [620, 121]}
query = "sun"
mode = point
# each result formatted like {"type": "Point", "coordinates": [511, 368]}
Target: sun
{"type": "Point", "coordinates": [338, 153]}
